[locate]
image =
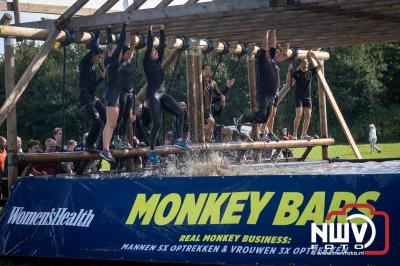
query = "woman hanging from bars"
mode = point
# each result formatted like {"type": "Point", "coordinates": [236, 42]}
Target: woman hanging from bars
{"type": "Point", "coordinates": [88, 81]}
{"type": "Point", "coordinates": [156, 96]}
{"type": "Point", "coordinates": [120, 139]}
{"type": "Point", "coordinates": [116, 65]}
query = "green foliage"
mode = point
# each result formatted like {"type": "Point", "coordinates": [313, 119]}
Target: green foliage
{"type": "Point", "coordinates": [364, 79]}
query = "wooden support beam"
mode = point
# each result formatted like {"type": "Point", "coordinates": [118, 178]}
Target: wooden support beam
{"type": "Point", "coordinates": [6, 19]}
{"type": "Point", "coordinates": [28, 33]}
{"type": "Point", "coordinates": [37, 61]}
{"type": "Point", "coordinates": [306, 153]}
{"type": "Point", "coordinates": [44, 9]}
{"type": "Point", "coordinates": [195, 95]}
{"type": "Point", "coordinates": [171, 59]}
{"type": "Point", "coordinates": [26, 158]}
{"type": "Point", "coordinates": [251, 78]}
{"type": "Point", "coordinates": [323, 116]}
{"type": "Point", "coordinates": [9, 67]}
{"type": "Point", "coordinates": [16, 12]}
{"type": "Point", "coordinates": [191, 2]}
{"type": "Point", "coordinates": [23, 82]}
{"type": "Point", "coordinates": [164, 3]}
{"type": "Point", "coordinates": [136, 5]}
{"type": "Point", "coordinates": [132, 16]}
{"type": "Point", "coordinates": [283, 92]}
{"type": "Point", "coordinates": [338, 113]}
{"type": "Point", "coordinates": [105, 7]}
{"type": "Point", "coordinates": [63, 20]}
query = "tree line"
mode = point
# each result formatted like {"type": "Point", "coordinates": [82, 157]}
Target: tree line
{"type": "Point", "coordinates": [364, 80]}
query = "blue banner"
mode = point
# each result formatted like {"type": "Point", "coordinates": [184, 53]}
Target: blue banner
{"type": "Point", "coordinates": [233, 220]}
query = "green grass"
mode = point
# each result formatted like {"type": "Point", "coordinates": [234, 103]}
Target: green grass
{"type": "Point", "coordinates": [389, 150]}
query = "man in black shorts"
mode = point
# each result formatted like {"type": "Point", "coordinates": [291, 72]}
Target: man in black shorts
{"type": "Point", "coordinates": [268, 128]}
{"type": "Point", "coordinates": [303, 77]}
{"type": "Point", "coordinates": [267, 81]}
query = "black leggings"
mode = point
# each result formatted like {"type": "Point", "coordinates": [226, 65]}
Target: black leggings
{"type": "Point", "coordinates": [167, 103]}
{"type": "Point", "coordinates": [264, 106]}
{"type": "Point", "coordinates": [97, 115]}
{"type": "Point", "coordinates": [125, 108]}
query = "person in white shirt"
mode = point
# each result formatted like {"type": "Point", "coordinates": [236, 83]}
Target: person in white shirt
{"type": "Point", "coordinates": [373, 139]}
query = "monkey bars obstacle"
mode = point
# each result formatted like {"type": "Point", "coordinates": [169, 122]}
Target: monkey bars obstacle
{"type": "Point", "coordinates": [235, 24]}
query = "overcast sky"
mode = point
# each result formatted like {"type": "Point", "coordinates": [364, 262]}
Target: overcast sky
{"type": "Point", "coordinates": [27, 17]}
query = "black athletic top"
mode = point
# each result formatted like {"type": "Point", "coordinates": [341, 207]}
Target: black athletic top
{"type": "Point", "coordinates": [303, 82]}
{"type": "Point", "coordinates": [152, 69]}
{"type": "Point", "coordinates": [268, 73]}
{"type": "Point", "coordinates": [115, 75]}
{"type": "Point", "coordinates": [126, 74]}
{"type": "Point", "coordinates": [88, 78]}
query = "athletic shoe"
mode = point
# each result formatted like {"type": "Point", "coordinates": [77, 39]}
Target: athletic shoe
{"type": "Point", "coordinates": [238, 122]}
{"type": "Point", "coordinates": [106, 155]}
{"type": "Point", "coordinates": [307, 137]}
{"type": "Point", "coordinates": [125, 143]}
{"type": "Point", "coordinates": [181, 144]}
{"type": "Point", "coordinates": [273, 137]}
{"type": "Point", "coordinates": [294, 136]}
{"type": "Point", "coordinates": [153, 159]}
{"type": "Point", "coordinates": [117, 144]}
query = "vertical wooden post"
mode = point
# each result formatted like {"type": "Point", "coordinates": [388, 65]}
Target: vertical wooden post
{"type": "Point", "coordinates": [9, 67]}
{"type": "Point", "coordinates": [323, 121]}
{"type": "Point", "coordinates": [195, 95]}
{"type": "Point", "coordinates": [251, 75]}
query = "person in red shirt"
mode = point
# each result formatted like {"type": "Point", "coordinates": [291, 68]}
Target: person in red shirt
{"type": "Point", "coordinates": [3, 154]}
{"type": "Point", "coordinates": [49, 168]}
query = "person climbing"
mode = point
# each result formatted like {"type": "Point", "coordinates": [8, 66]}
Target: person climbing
{"type": "Point", "coordinates": [88, 82]}
{"type": "Point", "coordinates": [156, 97]}
{"type": "Point", "coordinates": [210, 88]}
{"type": "Point", "coordinates": [120, 139]}
{"type": "Point", "coordinates": [120, 55]}
{"type": "Point", "coordinates": [267, 80]}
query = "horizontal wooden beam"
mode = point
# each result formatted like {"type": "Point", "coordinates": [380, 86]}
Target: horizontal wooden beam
{"type": "Point", "coordinates": [245, 24]}
{"type": "Point", "coordinates": [44, 9]}
{"type": "Point", "coordinates": [26, 158]}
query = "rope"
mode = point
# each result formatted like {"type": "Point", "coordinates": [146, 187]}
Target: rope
{"type": "Point", "coordinates": [174, 72]}
{"type": "Point", "coordinates": [234, 74]}
{"type": "Point", "coordinates": [63, 96]}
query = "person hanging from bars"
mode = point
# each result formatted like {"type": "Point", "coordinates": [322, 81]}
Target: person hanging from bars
{"type": "Point", "coordinates": [303, 77]}
{"type": "Point", "coordinates": [156, 96]}
{"type": "Point", "coordinates": [267, 129]}
{"type": "Point", "coordinates": [88, 82]}
{"type": "Point", "coordinates": [268, 58]}
{"type": "Point", "coordinates": [120, 55]}
{"type": "Point", "coordinates": [210, 88]}
{"type": "Point", "coordinates": [120, 139]}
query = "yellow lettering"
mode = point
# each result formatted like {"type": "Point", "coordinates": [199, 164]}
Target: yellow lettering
{"type": "Point", "coordinates": [141, 208]}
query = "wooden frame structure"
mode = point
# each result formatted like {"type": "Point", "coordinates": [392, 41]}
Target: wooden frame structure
{"type": "Point", "coordinates": [303, 23]}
